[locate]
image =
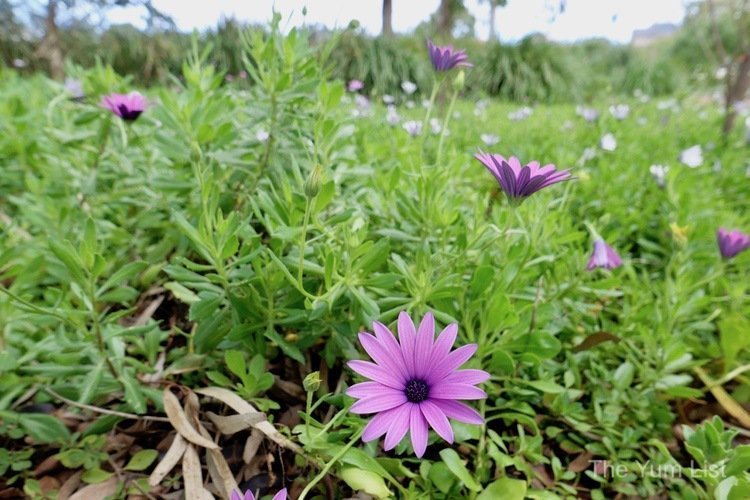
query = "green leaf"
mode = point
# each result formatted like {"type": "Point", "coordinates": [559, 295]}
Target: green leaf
{"type": "Point", "coordinates": [365, 480]}
{"type": "Point", "coordinates": [505, 488]}
{"type": "Point", "coordinates": [733, 336]}
{"type": "Point", "coordinates": [69, 257]}
{"type": "Point", "coordinates": [142, 460]}
{"type": "Point", "coordinates": [740, 461]}
{"type": "Point", "coordinates": [123, 274]}
{"type": "Point", "coordinates": [457, 467]}
{"type": "Point", "coordinates": [91, 383]}
{"type": "Point", "coordinates": [133, 395]}
{"type": "Point", "coordinates": [44, 428]}
{"type": "Point", "coordinates": [95, 475]}
{"type": "Point", "coordinates": [181, 293]}
{"type": "Point", "coordinates": [235, 361]}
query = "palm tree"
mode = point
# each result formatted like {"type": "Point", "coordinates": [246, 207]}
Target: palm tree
{"type": "Point", "coordinates": [494, 4]}
{"type": "Point", "coordinates": [387, 18]}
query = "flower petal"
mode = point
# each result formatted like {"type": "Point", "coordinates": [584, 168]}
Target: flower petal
{"type": "Point", "coordinates": [368, 389]}
{"type": "Point", "coordinates": [399, 426]}
{"type": "Point", "coordinates": [379, 402]}
{"type": "Point", "coordinates": [382, 356]}
{"type": "Point", "coordinates": [378, 425]}
{"type": "Point", "coordinates": [469, 377]}
{"type": "Point", "coordinates": [419, 431]}
{"type": "Point", "coordinates": [281, 495]}
{"type": "Point", "coordinates": [407, 337]}
{"type": "Point", "coordinates": [452, 361]}
{"type": "Point", "coordinates": [376, 373]}
{"type": "Point", "coordinates": [423, 346]}
{"type": "Point", "coordinates": [459, 411]}
{"type": "Point", "coordinates": [441, 390]}
{"type": "Point", "coordinates": [437, 420]}
{"type": "Point", "coordinates": [443, 344]}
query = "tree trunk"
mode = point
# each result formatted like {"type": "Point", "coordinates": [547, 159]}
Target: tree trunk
{"type": "Point", "coordinates": [49, 48]}
{"type": "Point", "coordinates": [492, 21]}
{"type": "Point", "coordinates": [445, 18]}
{"type": "Point", "coordinates": [387, 18]}
{"type": "Point", "coordinates": [736, 92]}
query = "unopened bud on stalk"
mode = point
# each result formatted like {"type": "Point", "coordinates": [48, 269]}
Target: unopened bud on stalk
{"type": "Point", "coordinates": [312, 382]}
{"type": "Point", "coordinates": [195, 152]}
{"type": "Point", "coordinates": [313, 182]}
{"type": "Point", "coordinates": [459, 80]}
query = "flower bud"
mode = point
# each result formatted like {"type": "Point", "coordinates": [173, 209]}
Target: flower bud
{"type": "Point", "coordinates": [459, 80]}
{"type": "Point", "coordinates": [313, 182]}
{"type": "Point", "coordinates": [312, 382]}
{"type": "Point", "coordinates": [195, 152]}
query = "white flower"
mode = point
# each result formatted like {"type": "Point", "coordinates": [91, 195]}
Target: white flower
{"type": "Point", "coordinates": [721, 73]}
{"type": "Point", "coordinates": [19, 63]}
{"type": "Point", "coordinates": [435, 126]}
{"type": "Point", "coordinates": [588, 114]}
{"type": "Point", "coordinates": [608, 142]}
{"type": "Point", "coordinates": [74, 88]}
{"type": "Point", "coordinates": [489, 139]}
{"type": "Point", "coordinates": [413, 127]}
{"type": "Point", "coordinates": [588, 154]}
{"type": "Point", "coordinates": [388, 99]}
{"type": "Point", "coordinates": [361, 101]}
{"type": "Point", "coordinates": [262, 135]}
{"type": "Point", "coordinates": [408, 87]}
{"type": "Point", "coordinates": [410, 104]}
{"type": "Point", "coordinates": [520, 114]}
{"type": "Point", "coordinates": [659, 172]}
{"type": "Point", "coordinates": [692, 156]}
{"type": "Point", "coordinates": [621, 111]}
{"type": "Point", "coordinates": [717, 166]}
{"type": "Point", "coordinates": [392, 116]}
{"type": "Point", "coordinates": [641, 121]}
{"type": "Point", "coordinates": [425, 103]}
{"type": "Point", "coordinates": [666, 104]}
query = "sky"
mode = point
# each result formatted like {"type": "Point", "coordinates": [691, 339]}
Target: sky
{"type": "Point", "coordinates": [612, 19]}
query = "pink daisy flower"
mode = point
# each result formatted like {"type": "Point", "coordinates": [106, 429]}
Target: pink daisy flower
{"type": "Point", "coordinates": [415, 383]}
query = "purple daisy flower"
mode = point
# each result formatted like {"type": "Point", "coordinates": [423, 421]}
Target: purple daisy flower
{"type": "Point", "coordinates": [415, 383]}
{"type": "Point", "coordinates": [126, 106]}
{"type": "Point", "coordinates": [446, 58]}
{"type": "Point", "coordinates": [355, 85]}
{"type": "Point", "coordinates": [519, 182]}
{"type": "Point", "coordinates": [236, 495]}
{"type": "Point", "coordinates": [603, 256]}
{"type": "Point", "coordinates": [732, 242]}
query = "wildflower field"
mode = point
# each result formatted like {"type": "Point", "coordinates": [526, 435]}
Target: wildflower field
{"type": "Point", "coordinates": [282, 286]}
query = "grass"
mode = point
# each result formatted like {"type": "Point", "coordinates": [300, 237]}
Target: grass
{"type": "Point", "coordinates": [182, 252]}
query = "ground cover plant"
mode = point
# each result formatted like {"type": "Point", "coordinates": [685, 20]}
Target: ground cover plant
{"type": "Point", "coordinates": [286, 289]}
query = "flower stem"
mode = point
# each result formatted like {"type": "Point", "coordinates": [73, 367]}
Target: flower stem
{"type": "Point", "coordinates": [330, 464]}
{"type": "Point", "coordinates": [444, 130]}
{"type": "Point", "coordinates": [303, 238]}
{"type": "Point", "coordinates": [433, 96]}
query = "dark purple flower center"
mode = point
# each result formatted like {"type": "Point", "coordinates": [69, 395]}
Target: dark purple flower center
{"type": "Point", "coordinates": [127, 113]}
{"type": "Point", "coordinates": [417, 390]}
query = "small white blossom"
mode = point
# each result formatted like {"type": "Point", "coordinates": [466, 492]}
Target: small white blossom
{"type": "Point", "coordinates": [262, 135]}
{"type": "Point", "coordinates": [659, 172]}
{"type": "Point", "coordinates": [392, 116]}
{"type": "Point", "coordinates": [410, 104]}
{"type": "Point", "coordinates": [388, 99]}
{"type": "Point", "coordinates": [408, 87]}
{"type": "Point", "coordinates": [692, 156]}
{"type": "Point", "coordinates": [413, 127]}
{"type": "Point", "coordinates": [489, 139]}
{"type": "Point", "coordinates": [620, 111]}
{"type": "Point", "coordinates": [588, 114]}
{"type": "Point", "coordinates": [435, 126]}
{"type": "Point", "coordinates": [520, 114]}
{"type": "Point", "coordinates": [608, 142]}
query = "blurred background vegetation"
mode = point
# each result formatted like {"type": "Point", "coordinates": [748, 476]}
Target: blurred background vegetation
{"type": "Point", "coordinates": [530, 70]}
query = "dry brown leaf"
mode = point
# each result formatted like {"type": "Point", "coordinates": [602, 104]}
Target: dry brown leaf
{"type": "Point", "coordinates": [232, 424]}
{"type": "Point", "coordinates": [173, 455]}
{"type": "Point", "coordinates": [581, 462]}
{"type": "Point", "coordinates": [251, 445]}
{"type": "Point", "coordinates": [98, 490]}
{"type": "Point", "coordinates": [725, 400]}
{"type": "Point", "coordinates": [192, 474]}
{"type": "Point", "coordinates": [180, 422]}
{"type": "Point", "coordinates": [69, 486]}
{"type": "Point", "coordinates": [241, 406]}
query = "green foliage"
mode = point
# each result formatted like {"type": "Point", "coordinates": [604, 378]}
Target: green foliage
{"type": "Point", "coordinates": [188, 248]}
